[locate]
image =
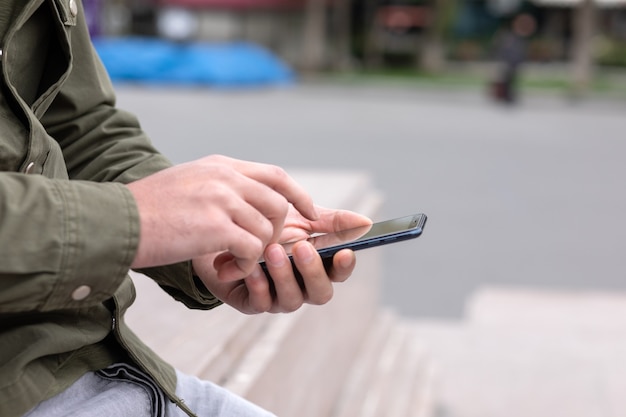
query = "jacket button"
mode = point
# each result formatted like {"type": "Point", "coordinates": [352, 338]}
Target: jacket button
{"type": "Point", "coordinates": [29, 168]}
{"type": "Point", "coordinates": [81, 293]}
{"type": "Point", "coordinates": [73, 8]}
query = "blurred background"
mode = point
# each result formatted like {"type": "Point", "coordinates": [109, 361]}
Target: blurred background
{"type": "Point", "coordinates": [503, 120]}
{"type": "Point", "coordinates": [441, 40]}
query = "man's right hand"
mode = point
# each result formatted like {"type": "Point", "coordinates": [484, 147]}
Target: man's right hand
{"type": "Point", "coordinates": [212, 205]}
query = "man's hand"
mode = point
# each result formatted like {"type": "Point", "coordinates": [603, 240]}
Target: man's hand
{"type": "Point", "coordinates": [255, 293]}
{"type": "Point", "coordinates": [215, 205]}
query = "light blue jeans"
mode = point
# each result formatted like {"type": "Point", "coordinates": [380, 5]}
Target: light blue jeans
{"type": "Point", "coordinates": [122, 390]}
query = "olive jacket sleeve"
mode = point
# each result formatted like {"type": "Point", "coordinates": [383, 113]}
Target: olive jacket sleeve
{"type": "Point", "coordinates": [72, 224]}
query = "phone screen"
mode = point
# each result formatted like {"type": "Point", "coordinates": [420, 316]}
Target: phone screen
{"type": "Point", "coordinates": [367, 236]}
{"type": "Point", "coordinates": [376, 234]}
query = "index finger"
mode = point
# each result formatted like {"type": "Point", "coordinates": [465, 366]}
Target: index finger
{"type": "Point", "coordinates": [332, 220]}
{"type": "Point", "coordinates": [278, 180]}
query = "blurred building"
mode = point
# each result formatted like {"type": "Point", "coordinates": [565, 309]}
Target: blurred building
{"type": "Point", "coordinates": [306, 33]}
{"type": "Point", "coordinates": [276, 24]}
{"type": "Point", "coordinates": [318, 34]}
{"type": "Point", "coordinates": [293, 29]}
{"type": "Point", "coordinates": [557, 19]}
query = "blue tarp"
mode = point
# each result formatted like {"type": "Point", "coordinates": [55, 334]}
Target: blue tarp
{"type": "Point", "coordinates": [157, 61]}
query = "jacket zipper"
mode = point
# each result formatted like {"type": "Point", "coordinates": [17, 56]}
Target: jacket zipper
{"type": "Point", "coordinates": [115, 318]}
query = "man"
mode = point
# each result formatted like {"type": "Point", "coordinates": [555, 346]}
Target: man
{"type": "Point", "coordinates": [84, 197]}
{"type": "Point", "coordinates": [511, 51]}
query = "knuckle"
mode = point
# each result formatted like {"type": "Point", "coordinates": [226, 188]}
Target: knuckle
{"type": "Point", "coordinates": [323, 296]}
{"type": "Point", "coordinates": [265, 231]}
{"type": "Point", "coordinates": [249, 254]}
{"type": "Point", "coordinates": [258, 306]}
{"type": "Point", "coordinates": [217, 158]}
{"type": "Point", "coordinates": [280, 209]}
{"type": "Point", "coordinates": [221, 195]}
{"type": "Point", "coordinates": [291, 307]}
{"type": "Point", "coordinates": [256, 249]}
{"type": "Point", "coordinates": [278, 172]}
{"type": "Point", "coordinates": [284, 205]}
{"type": "Point", "coordinates": [277, 200]}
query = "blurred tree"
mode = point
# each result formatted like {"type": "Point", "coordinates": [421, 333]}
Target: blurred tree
{"type": "Point", "coordinates": [432, 55]}
{"type": "Point", "coordinates": [342, 31]}
{"type": "Point", "coordinates": [584, 26]}
{"type": "Point", "coordinates": [372, 56]}
{"type": "Point", "coordinates": [314, 36]}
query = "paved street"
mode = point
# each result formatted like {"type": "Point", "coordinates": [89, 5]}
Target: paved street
{"type": "Point", "coordinates": [526, 196]}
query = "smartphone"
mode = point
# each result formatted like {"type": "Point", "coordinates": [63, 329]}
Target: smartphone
{"type": "Point", "coordinates": [376, 234]}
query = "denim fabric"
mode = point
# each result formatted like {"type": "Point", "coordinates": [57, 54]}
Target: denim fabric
{"type": "Point", "coordinates": [96, 396]}
{"type": "Point", "coordinates": [123, 390]}
{"type": "Point", "coordinates": [207, 400]}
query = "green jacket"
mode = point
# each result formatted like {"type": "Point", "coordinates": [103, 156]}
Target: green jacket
{"type": "Point", "coordinates": [68, 227]}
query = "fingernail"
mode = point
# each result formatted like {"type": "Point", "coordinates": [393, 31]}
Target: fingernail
{"type": "Point", "coordinates": [304, 253]}
{"type": "Point", "coordinates": [275, 256]}
{"type": "Point", "coordinates": [347, 261]}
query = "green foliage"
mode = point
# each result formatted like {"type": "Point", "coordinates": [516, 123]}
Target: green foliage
{"type": "Point", "coordinates": [611, 52]}
{"type": "Point", "coordinates": [465, 80]}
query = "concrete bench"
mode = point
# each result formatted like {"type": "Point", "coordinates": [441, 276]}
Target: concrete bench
{"type": "Point", "coordinates": [347, 358]}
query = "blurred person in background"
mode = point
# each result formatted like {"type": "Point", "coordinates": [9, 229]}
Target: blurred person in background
{"type": "Point", "coordinates": [511, 53]}
{"type": "Point", "coordinates": [84, 197]}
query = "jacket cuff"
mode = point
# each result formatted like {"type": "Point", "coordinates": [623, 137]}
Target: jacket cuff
{"type": "Point", "coordinates": [100, 241]}
{"type": "Point", "coordinates": [179, 281]}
